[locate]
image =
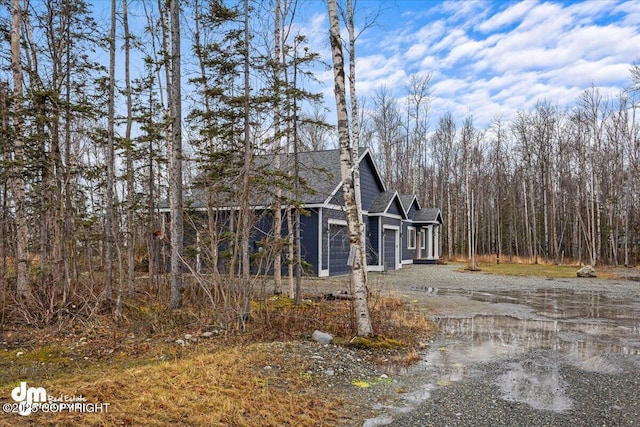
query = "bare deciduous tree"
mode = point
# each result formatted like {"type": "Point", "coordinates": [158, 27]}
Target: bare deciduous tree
{"type": "Point", "coordinates": [175, 160]}
{"type": "Point", "coordinates": [354, 216]}
{"type": "Point", "coordinates": [17, 179]}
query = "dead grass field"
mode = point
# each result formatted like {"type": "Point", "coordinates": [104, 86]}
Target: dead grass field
{"type": "Point", "coordinates": [137, 367]}
{"type": "Point", "coordinates": [524, 267]}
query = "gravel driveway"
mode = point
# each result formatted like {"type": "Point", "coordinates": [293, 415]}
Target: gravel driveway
{"type": "Point", "coordinates": [518, 351]}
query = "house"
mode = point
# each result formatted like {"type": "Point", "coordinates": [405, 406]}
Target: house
{"type": "Point", "coordinates": [422, 231]}
{"type": "Point", "coordinates": [398, 230]}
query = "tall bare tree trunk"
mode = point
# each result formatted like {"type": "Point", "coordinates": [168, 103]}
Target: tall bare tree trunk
{"type": "Point", "coordinates": [355, 130]}
{"type": "Point", "coordinates": [534, 222]}
{"type": "Point", "coordinates": [450, 236]}
{"type": "Point", "coordinates": [354, 216]}
{"type": "Point", "coordinates": [277, 206]}
{"type": "Point", "coordinates": [4, 208]}
{"type": "Point", "coordinates": [131, 235]}
{"type": "Point", "coordinates": [175, 160]}
{"type": "Point", "coordinates": [17, 181]}
{"type": "Point", "coordinates": [110, 202]}
{"type": "Point", "coordinates": [246, 170]}
{"type": "Point", "coordinates": [296, 184]}
{"type": "Point", "coordinates": [68, 241]}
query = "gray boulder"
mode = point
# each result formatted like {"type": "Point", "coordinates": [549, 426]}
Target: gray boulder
{"type": "Point", "coordinates": [586, 271]}
{"type": "Point", "coordinates": [322, 337]}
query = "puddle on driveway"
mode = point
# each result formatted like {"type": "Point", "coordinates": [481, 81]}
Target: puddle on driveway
{"type": "Point", "coordinates": [577, 323]}
{"type": "Point", "coordinates": [583, 329]}
{"type": "Point", "coordinates": [557, 303]}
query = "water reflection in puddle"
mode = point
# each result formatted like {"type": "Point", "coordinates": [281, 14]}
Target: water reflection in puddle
{"type": "Point", "coordinates": [556, 303]}
{"type": "Point", "coordinates": [583, 329]}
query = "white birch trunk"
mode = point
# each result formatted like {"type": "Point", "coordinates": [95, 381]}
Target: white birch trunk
{"type": "Point", "coordinates": [354, 216]}
{"type": "Point", "coordinates": [355, 130]}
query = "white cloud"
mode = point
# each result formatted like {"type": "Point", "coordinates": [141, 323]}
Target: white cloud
{"type": "Point", "coordinates": [490, 58]}
{"type": "Point", "coordinates": [416, 52]}
{"type": "Point", "coordinates": [453, 37]}
{"type": "Point", "coordinates": [630, 11]}
{"type": "Point", "coordinates": [448, 87]}
{"type": "Point", "coordinates": [545, 16]}
{"type": "Point", "coordinates": [509, 16]}
{"type": "Point", "coordinates": [465, 49]}
{"type": "Point", "coordinates": [376, 66]}
{"type": "Point", "coordinates": [585, 73]}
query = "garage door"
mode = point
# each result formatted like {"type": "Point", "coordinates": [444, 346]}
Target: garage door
{"type": "Point", "coordinates": [338, 250]}
{"type": "Point", "coordinates": [389, 250]}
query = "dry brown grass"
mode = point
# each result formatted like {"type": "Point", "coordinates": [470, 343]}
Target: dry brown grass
{"type": "Point", "coordinates": [519, 266]}
{"type": "Point", "coordinates": [136, 367]}
{"type": "Point", "coordinates": [486, 259]}
{"type": "Point", "coordinates": [225, 387]}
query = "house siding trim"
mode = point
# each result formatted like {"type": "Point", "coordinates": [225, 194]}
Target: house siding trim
{"type": "Point", "coordinates": [387, 215]}
{"type": "Point", "coordinates": [321, 271]}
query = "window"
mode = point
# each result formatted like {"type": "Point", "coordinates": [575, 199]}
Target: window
{"type": "Point", "coordinates": [411, 244]}
{"type": "Point", "coordinates": [423, 239]}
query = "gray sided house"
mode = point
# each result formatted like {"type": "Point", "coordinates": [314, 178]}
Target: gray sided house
{"type": "Point", "coordinates": [421, 231]}
{"type": "Point", "coordinates": [398, 231]}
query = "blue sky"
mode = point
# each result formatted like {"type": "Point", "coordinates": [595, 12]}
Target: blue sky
{"type": "Point", "coordinates": [489, 58]}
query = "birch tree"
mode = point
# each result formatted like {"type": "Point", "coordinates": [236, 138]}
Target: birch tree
{"type": "Point", "coordinates": [354, 216]}
{"type": "Point", "coordinates": [355, 129]}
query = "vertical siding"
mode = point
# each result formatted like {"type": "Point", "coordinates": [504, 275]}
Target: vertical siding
{"type": "Point", "coordinates": [412, 210]}
{"type": "Point", "coordinates": [395, 208]}
{"type": "Point", "coordinates": [373, 231]}
{"type": "Point", "coordinates": [193, 220]}
{"type": "Point", "coordinates": [309, 239]}
{"type": "Point", "coordinates": [262, 227]}
{"type": "Point", "coordinates": [324, 258]}
{"type": "Point", "coordinates": [404, 241]}
{"type": "Point", "coordinates": [338, 250]}
{"type": "Point", "coordinates": [407, 253]}
{"type": "Point", "coordinates": [328, 214]}
{"type": "Point", "coordinates": [369, 185]}
{"type": "Point", "coordinates": [338, 198]}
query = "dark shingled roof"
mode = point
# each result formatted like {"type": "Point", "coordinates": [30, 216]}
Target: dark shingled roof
{"type": "Point", "coordinates": [430, 215]}
{"type": "Point", "coordinates": [319, 172]}
{"type": "Point", "coordinates": [380, 204]}
{"type": "Point", "coordinates": [407, 200]}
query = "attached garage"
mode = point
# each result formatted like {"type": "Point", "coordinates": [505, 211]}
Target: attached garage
{"type": "Point", "coordinates": [338, 249]}
{"type": "Point", "coordinates": [390, 251]}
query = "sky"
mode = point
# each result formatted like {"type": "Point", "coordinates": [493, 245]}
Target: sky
{"type": "Point", "coordinates": [488, 58]}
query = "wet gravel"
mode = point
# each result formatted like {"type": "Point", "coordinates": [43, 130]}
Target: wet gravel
{"type": "Point", "coordinates": [533, 387]}
{"type": "Point", "coordinates": [419, 279]}
{"type": "Point", "coordinates": [594, 399]}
